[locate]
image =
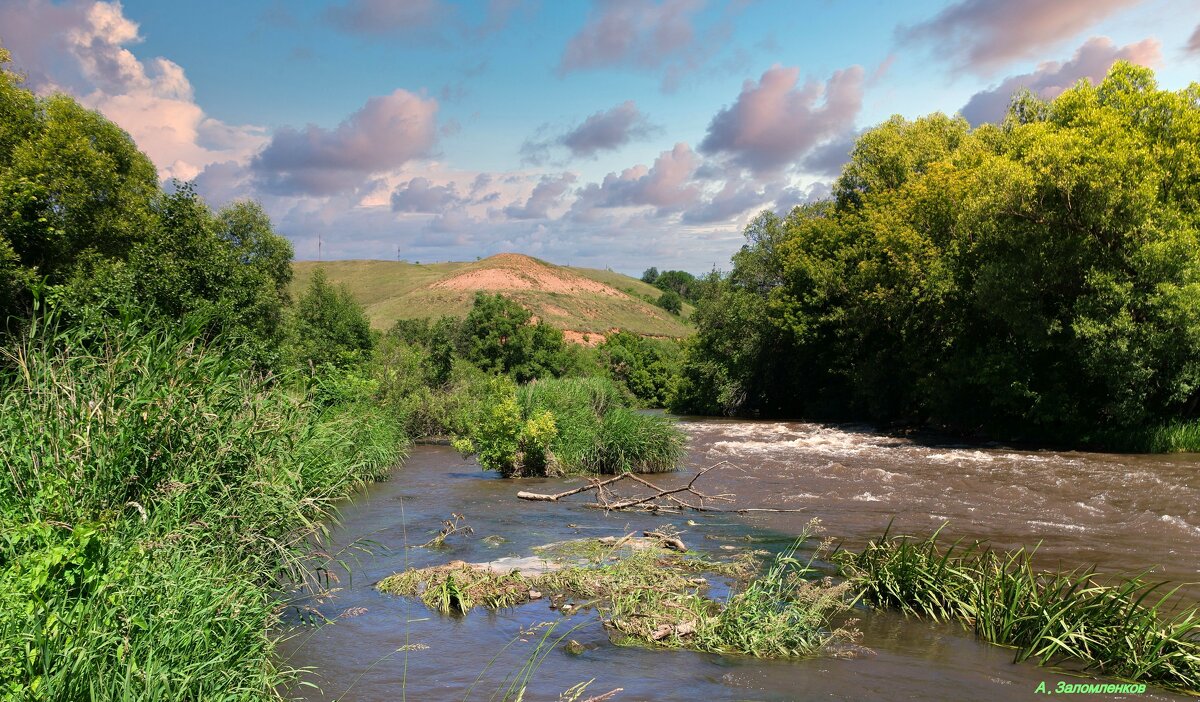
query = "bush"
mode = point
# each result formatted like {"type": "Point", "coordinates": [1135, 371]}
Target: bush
{"type": "Point", "coordinates": [578, 425]}
{"type": "Point", "coordinates": [329, 326]}
{"type": "Point", "coordinates": [643, 366]}
{"type": "Point", "coordinates": [671, 302]}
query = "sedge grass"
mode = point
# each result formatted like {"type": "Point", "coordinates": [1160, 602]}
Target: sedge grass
{"type": "Point", "coordinates": [156, 492]}
{"type": "Point", "coordinates": [1126, 628]}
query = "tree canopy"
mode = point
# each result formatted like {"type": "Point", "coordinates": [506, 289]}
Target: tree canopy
{"type": "Point", "coordinates": [84, 220]}
{"type": "Point", "coordinates": [1041, 274]}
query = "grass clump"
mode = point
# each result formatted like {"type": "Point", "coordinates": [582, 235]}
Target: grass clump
{"type": "Point", "coordinates": [568, 425]}
{"type": "Point", "coordinates": [650, 596]}
{"type": "Point", "coordinates": [1127, 629]}
{"type": "Point", "coordinates": [157, 491]}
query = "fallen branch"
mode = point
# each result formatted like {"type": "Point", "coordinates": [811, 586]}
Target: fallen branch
{"type": "Point", "coordinates": [660, 500]}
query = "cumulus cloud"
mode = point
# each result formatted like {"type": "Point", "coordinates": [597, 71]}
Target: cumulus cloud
{"type": "Point", "coordinates": [631, 32]}
{"type": "Point", "coordinates": [36, 32]}
{"type": "Point", "coordinates": [548, 193]}
{"type": "Point", "coordinates": [605, 130]}
{"type": "Point", "coordinates": [667, 186]}
{"type": "Point", "coordinates": [152, 100]}
{"type": "Point", "coordinates": [828, 158]}
{"type": "Point", "coordinates": [1091, 61]}
{"type": "Point", "coordinates": [385, 133]}
{"type": "Point", "coordinates": [775, 122]}
{"type": "Point", "coordinates": [734, 198]}
{"type": "Point", "coordinates": [420, 195]}
{"type": "Point", "coordinates": [983, 35]}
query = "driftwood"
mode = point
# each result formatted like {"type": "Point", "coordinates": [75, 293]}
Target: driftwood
{"type": "Point", "coordinates": [660, 499]}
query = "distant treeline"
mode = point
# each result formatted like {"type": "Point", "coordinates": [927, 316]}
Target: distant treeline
{"type": "Point", "coordinates": [1038, 278]}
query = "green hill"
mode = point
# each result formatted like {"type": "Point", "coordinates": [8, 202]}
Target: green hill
{"type": "Point", "coordinates": [577, 300]}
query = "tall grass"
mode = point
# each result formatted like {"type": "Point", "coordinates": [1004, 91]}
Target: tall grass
{"type": "Point", "coordinates": [597, 432]}
{"type": "Point", "coordinates": [1126, 628]}
{"type": "Point", "coordinates": [1173, 437]}
{"type": "Point", "coordinates": [155, 490]}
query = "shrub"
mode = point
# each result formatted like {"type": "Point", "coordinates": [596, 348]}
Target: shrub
{"type": "Point", "coordinates": [671, 302]}
{"type": "Point", "coordinates": [593, 431]}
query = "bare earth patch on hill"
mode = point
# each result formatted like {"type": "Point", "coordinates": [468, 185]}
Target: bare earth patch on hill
{"type": "Point", "coordinates": [505, 272]}
{"type": "Point", "coordinates": [579, 301]}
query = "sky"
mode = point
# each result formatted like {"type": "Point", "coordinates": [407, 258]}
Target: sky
{"type": "Point", "coordinates": [615, 134]}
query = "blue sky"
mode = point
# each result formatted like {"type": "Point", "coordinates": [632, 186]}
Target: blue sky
{"type": "Point", "coordinates": [611, 133]}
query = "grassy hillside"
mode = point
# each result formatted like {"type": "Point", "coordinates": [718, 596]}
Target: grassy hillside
{"type": "Point", "coordinates": [574, 299]}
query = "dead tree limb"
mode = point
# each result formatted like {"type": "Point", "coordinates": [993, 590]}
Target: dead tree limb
{"type": "Point", "coordinates": [660, 500]}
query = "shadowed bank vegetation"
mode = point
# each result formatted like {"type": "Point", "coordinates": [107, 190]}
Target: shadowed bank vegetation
{"type": "Point", "coordinates": [1037, 279]}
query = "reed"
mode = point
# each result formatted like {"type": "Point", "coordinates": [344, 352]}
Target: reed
{"type": "Point", "coordinates": [1126, 628]}
{"type": "Point", "coordinates": [156, 492]}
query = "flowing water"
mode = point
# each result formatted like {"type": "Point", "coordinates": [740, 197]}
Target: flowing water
{"type": "Point", "coordinates": [1122, 512]}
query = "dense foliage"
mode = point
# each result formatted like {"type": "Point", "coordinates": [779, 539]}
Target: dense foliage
{"type": "Point", "coordinates": [1038, 278]}
{"type": "Point", "coordinates": [568, 425]}
{"type": "Point", "coordinates": [83, 218]}
{"type": "Point", "coordinates": [643, 366]}
{"type": "Point", "coordinates": [330, 326]}
{"type": "Point", "coordinates": [681, 283]}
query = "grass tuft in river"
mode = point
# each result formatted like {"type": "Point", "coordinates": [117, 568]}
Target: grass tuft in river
{"type": "Point", "coordinates": [566, 425]}
{"type": "Point", "coordinates": [649, 595]}
{"type": "Point", "coordinates": [1125, 628]}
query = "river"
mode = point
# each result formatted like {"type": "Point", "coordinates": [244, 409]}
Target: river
{"type": "Point", "coordinates": [1122, 512]}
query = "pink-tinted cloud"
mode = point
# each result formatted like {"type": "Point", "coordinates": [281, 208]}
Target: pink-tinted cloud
{"type": "Point", "coordinates": [1193, 45]}
{"type": "Point", "coordinates": [385, 133]}
{"type": "Point", "coordinates": [775, 122]}
{"type": "Point", "coordinates": [984, 35]}
{"type": "Point", "coordinates": [602, 131]}
{"type": "Point", "coordinates": [1091, 62]}
{"type": "Point", "coordinates": [632, 33]}
{"type": "Point", "coordinates": [36, 32]}
{"type": "Point", "coordinates": [548, 193]}
{"type": "Point", "coordinates": [734, 198]}
{"type": "Point", "coordinates": [420, 195]}
{"type": "Point", "coordinates": [666, 186]}
{"type": "Point", "coordinates": [152, 100]}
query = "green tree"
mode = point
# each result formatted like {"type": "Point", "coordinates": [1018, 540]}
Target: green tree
{"type": "Point", "coordinates": [499, 335]}
{"type": "Point", "coordinates": [72, 186]}
{"type": "Point", "coordinates": [670, 301]}
{"type": "Point", "coordinates": [650, 275]}
{"type": "Point", "coordinates": [680, 282]}
{"type": "Point", "coordinates": [330, 327]}
{"type": "Point", "coordinates": [1037, 278]}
